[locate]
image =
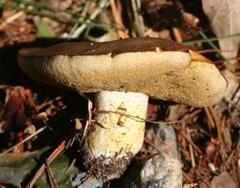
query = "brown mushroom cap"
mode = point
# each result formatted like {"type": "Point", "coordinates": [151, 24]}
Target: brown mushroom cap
{"type": "Point", "coordinates": [162, 69]}
{"type": "Point", "coordinates": [113, 47]}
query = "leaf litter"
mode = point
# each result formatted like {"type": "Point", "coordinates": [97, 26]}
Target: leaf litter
{"type": "Point", "coordinates": [207, 138]}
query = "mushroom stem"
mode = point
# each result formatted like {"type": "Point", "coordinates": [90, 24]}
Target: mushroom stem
{"type": "Point", "coordinates": [118, 134]}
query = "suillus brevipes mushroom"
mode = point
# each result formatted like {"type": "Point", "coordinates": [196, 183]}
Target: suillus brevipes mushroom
{"type": "Point", "coordinates": [124, 74]}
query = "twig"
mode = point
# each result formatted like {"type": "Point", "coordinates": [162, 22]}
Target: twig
{"type": "Point", "coordinates": [50, 102]}
{"type": "Point", "coordinates": [136, 5]}
{"type": "Point", "coordinates": [205, 51]}
{"type": "Point", "coordinates": [70, 166]}
{"type": "Point", "coordinates": [230, 157]}
{"type": "Point", "coordinates": [11, 19]}
{"type": "Point", "coordinates": [204, 181]}
{"type": "Point", "coordinates": [187, 177]}
{"type": "Point", "coordinates": [53, 155]}
{"type": "Point", "coordinates": [108, 185]}
{"type": "Point", "coordinates": [52, 180]}
{"type": "Point", "coordinates": [191, 150]}
{"type": "Point", "coordinates": [86, 178]}
{"type": "Point", "coordinates": [102, 4]}
{"type": "Point", "coordinates": [212, 45]}
{"type": "Point", "coordinates": [151, 144]}
{"type": "Point", "coordinates": [89, 121]}
{"type": "Point", "coordinates": [118, 20]}
{"type": "Point", "coordinates": [188, 139]}
{"type": "Point", "coordinates": [136, 117]}
{"type": "Point", "coordinates": [116, 15]}
{"type": "Point", "coordinates": [24, 140]}
{"type": "Point", "coordinates": [222, 61]}
{"type": "Point", "coordinates": [211, 123]}
{"type": "Point", "coordinates": [218, 125]}
{"type": "Point", "coordinates": [212, 39]}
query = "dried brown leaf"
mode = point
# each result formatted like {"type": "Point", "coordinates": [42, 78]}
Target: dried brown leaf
{"type": "Point", "coordinates": [223, 180]}
{"type": "Point", "coordinates": [224, 17]}
{"type": "Point", "coordinates": [233, 85]}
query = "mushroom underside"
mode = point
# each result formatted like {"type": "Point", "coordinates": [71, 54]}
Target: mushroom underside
{"type": "Point", "coordinates": [162, 75]}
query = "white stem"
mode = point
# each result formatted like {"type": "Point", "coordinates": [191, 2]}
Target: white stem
{"type": "Point", "coordinates": [119, 128]}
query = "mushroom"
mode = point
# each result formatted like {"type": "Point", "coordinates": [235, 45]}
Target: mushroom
{"type": "Point", "coordinates": [124, 74]}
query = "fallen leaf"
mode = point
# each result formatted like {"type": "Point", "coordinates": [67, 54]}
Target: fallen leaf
{"type": "Point", "coordinates": [223, 180]}
{"type": "Point", "coordinates": [232, 87]}
{"type": "Point", "coordinates": [14, 113]}
{"type": "Point", "coordinates": [224, 17]}
{"type": "Point", "coordinates": [43, 29]}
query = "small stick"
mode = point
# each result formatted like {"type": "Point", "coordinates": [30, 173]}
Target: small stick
{"type": "Point", "coordinates": [118, 20]}
{"type": "Point", "coordinates": [191, 150]}
{"type": "Point", "coordinates": [11, 19]}
{"type": "Point", "coordinates": [187, 177]}
{"type": "Point", "coordinates": [53, 155]}
{"type": "Point", "coordinates": [24, 140]}
{"type": "Point", "coordinates": [177, 35]}
{"type": "Point", "coordinates": [116, 15]}
{"type": "Point", "coordinates": [52, 180]}
{"type": "Point", "coordinates": [151, 144]}
{"type": "Point", "coordinates": [217, 123]}
{"type": "Point", "coordinates": [136, 6]}
{"type": "Point", "coordinates": [211, 123]}
{"type": "Point", "coordinates": [190, 141]}
{"type": "Point", "coordinates": [137, 118]}
{"type": "Point", "coordinates": [204, 181]}
{"type": "Point", "coordinates": [89, 121]}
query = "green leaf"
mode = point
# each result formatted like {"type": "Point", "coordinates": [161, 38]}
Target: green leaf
{"type": "Point", "coordinates": [43, 29]}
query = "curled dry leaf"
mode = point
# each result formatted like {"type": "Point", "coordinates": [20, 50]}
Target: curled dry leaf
{"type": "Point", "coordinates": [16, 113]}
{"type": "Point", "coordinates": [223, 15]}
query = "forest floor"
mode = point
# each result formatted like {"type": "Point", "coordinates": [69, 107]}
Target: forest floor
{"type": "Point", "coordinates": [49, 124]}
